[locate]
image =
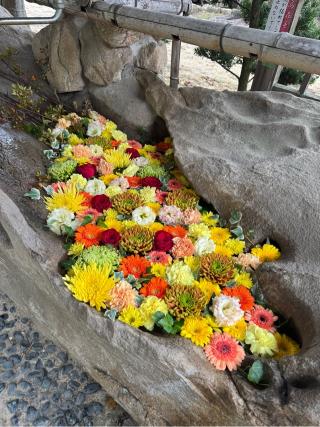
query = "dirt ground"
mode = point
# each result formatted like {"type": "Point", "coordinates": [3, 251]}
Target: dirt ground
{"type": "Point", "coordinates": [194, 70]}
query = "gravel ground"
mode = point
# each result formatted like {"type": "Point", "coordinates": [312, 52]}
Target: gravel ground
{"type": "Point", "coordinates": [40, 385]}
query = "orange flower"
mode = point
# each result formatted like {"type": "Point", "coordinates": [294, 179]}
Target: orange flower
{"type": "Point", "coordinates": [87, 197]}
{"type": "Point", "coordinates": [135, 265]}
{"type": "Point", "coordinates": [115, 143]}
{"type": "Point", "coordinates": [156, 287]}
{"type": "Point", "coordinates": [175, 230]}
{"type": "Point", "coordinates": [243, 294]}
{"type": "Point", "coordinates": [134, 181]}
{"type": "Point", "coordinates": [88, 235]}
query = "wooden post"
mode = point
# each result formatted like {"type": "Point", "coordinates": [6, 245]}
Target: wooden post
{"type": "Point", "coordinates": [283, 17]}
{"type": "Point", "coordinates": [175, 62]}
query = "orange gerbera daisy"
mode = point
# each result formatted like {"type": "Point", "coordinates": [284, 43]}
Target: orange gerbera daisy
{"type": "Point", "coordinates": [87, 197]}
{"type": "Point", "coordinates": [156, 287]}
{"type": "Point", "coordinates": [243, 294]}
{"type": "Point", "coordinates": [175, 230]}
{"type": "Point", "coordinates": [88, 235]}
{"type": "Point", "coordinates": [135, 265]}
{"type": "Point", "coordinates": [134, 181]}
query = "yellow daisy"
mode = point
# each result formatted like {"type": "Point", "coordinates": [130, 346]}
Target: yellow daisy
{"type": "Point", "coordinates": [197, 330]}
{"type": "Point", "coordinates": [220, 235]}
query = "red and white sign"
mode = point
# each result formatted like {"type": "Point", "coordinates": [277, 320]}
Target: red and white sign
{"type": "Point", "coordinates": [281, 15]}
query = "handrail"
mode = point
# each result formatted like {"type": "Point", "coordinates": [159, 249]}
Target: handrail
{"type": "Point", "coordinates": [57, 4]}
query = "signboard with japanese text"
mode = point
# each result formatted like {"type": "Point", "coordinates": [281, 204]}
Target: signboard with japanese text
{"type": "Point", "coordinates": [281, 15]}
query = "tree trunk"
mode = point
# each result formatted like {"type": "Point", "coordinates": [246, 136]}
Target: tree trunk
{"type": "Point", "coordinates": [15, 7]}
{"type": "Point", "coordinates": [248, 62]}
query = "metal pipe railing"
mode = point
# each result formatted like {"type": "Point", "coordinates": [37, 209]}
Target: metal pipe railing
{"type": "Point", "coordinates": [58, 5]}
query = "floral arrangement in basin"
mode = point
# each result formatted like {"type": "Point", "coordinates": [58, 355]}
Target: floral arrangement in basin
{"type": "Point", "coordinates": [145, 249]}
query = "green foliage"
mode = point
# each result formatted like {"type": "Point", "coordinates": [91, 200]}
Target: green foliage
{"type": "Point", "coordinates": [307, 26]}
{"type": "Point", "coordinates": [167, 322]}
{"type": "Point", "coordinates": [255, 373]}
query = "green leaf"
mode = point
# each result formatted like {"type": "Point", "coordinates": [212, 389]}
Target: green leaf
{"type": "Point", "coordinates": [69, 231]}
{"type": "Point", "coordinates": [111, 314]}
{"type": "Point", "coordinates": [235, 217]}
{"type": "Point", "coordinates": [158, 315]}
{"type": "Point", "coordinates": [33, 194]}
{"type": "Point", "coordinates": [166, 323]}
{"type": "Point", "coordinates": [87, 219]}
{"type": "Point", "coordinates": [255, 373]}
{"type": "Point", "coordinates": [67, 263]}
{"type": "Point", "coordinates": [238, 232]}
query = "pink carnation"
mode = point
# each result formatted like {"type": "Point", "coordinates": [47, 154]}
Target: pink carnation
{"type": "Point", "coordinates": [161, 196]}
{"type": "Point", "coordinates": [104, 168]}
{"type": "Point", "coordinates": [170, 215]}
{"type": "Point", "coordinates": [90, 211]}
{"type": "Point", "coordinates": [81, 150]}
{"type": "Point", "coordinates": [122, 295]}
{"type": "Point", "coordinates": [58, 186]}
{"type": "Point", "coordinates": [174, 184]}
{"type": "Point", "coordinates": [159, 257]}
{"type": "Point", "coordinates": [191, 216]}
{"type": "Point", "coordinates": [182, 247]}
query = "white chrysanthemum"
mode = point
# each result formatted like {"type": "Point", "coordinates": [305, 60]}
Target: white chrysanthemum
{"type": "Point", "coordinates": [78, 180]}
{"type": "Point", "coordinates": [57, 132]}
{"type": "Point", "coordinates": [140, 161]}
{"type": "Point", "coordinates": [226, 310]}
{"type": "Point", "coordinates": [94, 129]}
{"type": "Point", "coordinates": [96, 150]}
{"type": "Point", "coordinates": [58, 219]}
{"type": "Point", "coordinates": [143, 215]}
{"type": "Point", "coordinates": [95, 186]}
{"type": "Point", "coordinates": [204, 245]}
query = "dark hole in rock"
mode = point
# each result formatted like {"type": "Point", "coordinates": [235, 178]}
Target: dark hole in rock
{"type": "Point", "coordinates": [287, 326]}
{"type": "Point", "coordinates": [4, 238]}
{"type": "Point", "coordinates": [305, 382]}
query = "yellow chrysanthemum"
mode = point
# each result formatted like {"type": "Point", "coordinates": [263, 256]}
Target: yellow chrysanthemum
{"type": "Point", "coordinates": [155, 207]}
{"type": "Point", "coordinates": [67, 151]}
{"type": "Point", "coordinates": [148, 194]}
{"type": "Point", "coordinates": [117, 158]}
{"type": "Point", "coordinates": [286, 346]}
{"type": "Point", "coordinates": [194, 263]}
{"type": "Point", "coordinates": [149, 148]}
{"type": "Point", "coordinates": [244, 279]}
{"type": "Point", "coordinates": [158, 269]}
{"type": "Point", "coordinates": [149, 307]}
{"type": "Point", "coordinates": [222, 250]}
{"type": "Point", "coordinates": [128, 223]}
{"type": "Point", "coordinates": [207, 218]}
{"type": "Point", "coordinates": [197, 330]}
{"type": "Point", "coordinates": [220, 235]}
{"type": "Point", "coordinates": [90, 284]}
{"type": "Point", "coordinates": [114, 223]}
{"type": "Point", "coordinates": [76, 249]}
{"type": "Point", "coordinates": [107, 132]}
{"type": "Point", "coordinates": [261, 341]}
{"type": "Point", "coordinates": [117, 135]}
{"type": "Point", "coordinates": [267, 253]}
{"type": "Point", "coordinates": [208, 288]}
{"type": "Point", "coordinates": [113, 190]}
{"type": "Point", "coordinates": [198, 230]}
{"type": "Point", "coordinates": [69, 198]}
{"type": "Point", "coordinates": [238, 330]}
{"type": "Point", "coordinates": [131, 316]}
{"type": "Point", "coordinates": [82, 160]}
{"type": "Point", "coordinates": [108, 178]}
{"type": "Point", "coordinates": [74, 139]}
{"type": "Point", "coordinates": [235, 245]}
{"type": "Point", "coordinates": [131, 170]}
{"type": "Point", "coordinates": [212, 322]}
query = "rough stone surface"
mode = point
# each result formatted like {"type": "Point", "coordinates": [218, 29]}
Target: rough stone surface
{"type": "Point", "coordinates": [153, 57]}
{"type": "Point", "coordinates": [114, 36]}
{"type": "Point", "coordinates": [101, 64]}
{"type": "Point", "coordinates": [56, 47]}
{"type": "Point", "coordinates": [40, 387]}
{"type": "Point", "coordinates": [259, 153]}
{"type": "Point", "coordinates": [124, 103]}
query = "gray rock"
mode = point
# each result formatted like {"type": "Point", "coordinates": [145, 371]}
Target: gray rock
{"type": "Point", "coordinates": [114, 36]}
{"type": "Point", "coordinates": [124, 103]}
{"type": "Point", "coordinates": [56, 48]}
{"type": "Point", "coordinates": [152, 57]}
{"type": "Point", "coordinates": [101, 64]}
{"type": "Point", "coordinates": [259, 153]}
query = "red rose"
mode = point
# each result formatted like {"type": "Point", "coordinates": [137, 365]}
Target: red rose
{"type": "Point", "coordinates": [110, 237]}
{"type": "Point", "coordinates": [101, 202]}
{"type": "Point", "coordinates": [87, 170]}
{"type": "Point", "coordinates": [151, 181]}
{"type": "Point", "coordinates": [133, 153]}
{"type": "Point", "coordinates": [163, 241]}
